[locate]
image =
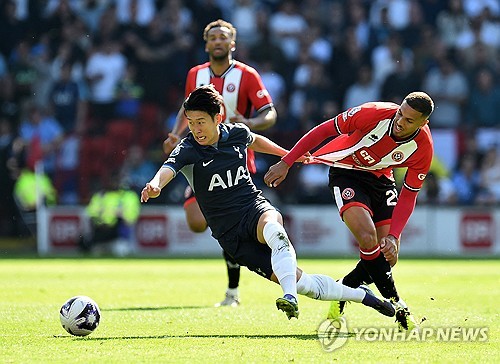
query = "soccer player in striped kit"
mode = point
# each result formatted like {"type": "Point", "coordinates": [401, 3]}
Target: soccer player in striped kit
{"type": "Point", "coordinates": [369, 141]}
{"type": "Point", "coordinates": [244, 95]}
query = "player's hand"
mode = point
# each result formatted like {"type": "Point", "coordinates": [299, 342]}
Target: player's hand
{"type": "Point", "coordinates": [149, 191]}
{"type": "Point", "coordinates": [238, 118]}
{"type": "Point", "coordinates": [389, 246]}
{"type": "Point", "coordinates": [276, 174]}
{"type": "Point", "coordinates": [170, 143]}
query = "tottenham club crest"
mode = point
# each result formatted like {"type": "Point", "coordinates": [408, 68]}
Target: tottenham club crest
{"type": "Point", "coordinates": [348, 193]}
{"type": "Point", "coordinates": [397, 156]}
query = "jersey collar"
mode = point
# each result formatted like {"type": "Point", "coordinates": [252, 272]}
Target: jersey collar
{"type": "Point", "coordinates": [232, 64]}
{"type": "Point", "coordinates": [411, 137]}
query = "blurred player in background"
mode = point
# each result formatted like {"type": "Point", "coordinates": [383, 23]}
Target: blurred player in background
{"type": "Point", "coordinates": [212, 157]}
{"type": "Point", "coordinates": [244, 94]}
{"type": "Point", "coordinates": [369, 141]}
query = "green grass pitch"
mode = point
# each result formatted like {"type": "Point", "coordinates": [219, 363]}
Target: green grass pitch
{"type": "Point", "coordinates": [161, 310]}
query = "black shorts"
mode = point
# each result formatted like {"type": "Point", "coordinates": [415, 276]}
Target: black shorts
{"type": "Point", "coordinates": [378, 195]}
{"type": "Point", "coordinates": [242, 244]}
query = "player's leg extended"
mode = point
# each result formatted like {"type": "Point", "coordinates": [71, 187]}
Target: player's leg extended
{"type": "Point", "coordinates": [270, 231]}
{"type": "Point", "coordinates": [325, 288]}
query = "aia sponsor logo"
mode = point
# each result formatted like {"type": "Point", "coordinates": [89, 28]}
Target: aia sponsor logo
{"type": "Point", "coordinates": [397, 156]}
{"type": "Point", "coordinates": [348, 193]}
{"type": "Point", "coordinates": [231, 87]}
{"type": "Point", "coordinates": [477, 230]}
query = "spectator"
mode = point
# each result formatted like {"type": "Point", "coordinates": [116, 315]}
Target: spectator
{"type": "Point", "coordinates": [490, 177]}
{"type": "Point", "coordinates": [9, 104]}
{"type": "Point", "coordinates": [346, 60]}
{"type": "Point", "coordinates": [386, 56]}
{"type": "Point", "coordinates": [113, 212]}
{"type": "Point", "coordinates": [319, 48]}
{"type": "Point", "coordinates": [436, 190]}
{"type": "Point", "coordinates": [364, 90]}
{"type": "Point", "coordinates": [129, 94]}
{"type": "Point", "coordinates": [27, 187]}
{"type": "Point", "coordinates": [484, 102]}
{"type": "Point", "coordinates": [42, 136]}
{"type": "Point", "coordinates": [105, 68]}
{"type": "Point", "coordinates": [466, 181]}
{"type": "Point", "coordinates": [66, 101]}
{"type": "Point", "coordinates": [451, 22]}
{"type": "Point", "coordinates": [90, 13]}
{"type": "Point", "coordinates": [140, 12]}
{"type": "Point", "coordinates": [12, 29]}
{"type": "Point", "coordinates": [161, 60]}
{"type": "Point", "coordinates": [400, 82]}
{"type": "Point", "coordinates": [244, 18]}
{"type": "Point", "coordinates": [10, 165]}
{"type": "Point", "coordinates": [136, 170]}
{"type": "Point", "coordinates": [449, 88]}
{"type": "Point", "coordinates": [287, 25]}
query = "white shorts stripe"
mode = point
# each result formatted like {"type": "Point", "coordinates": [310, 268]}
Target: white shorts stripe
{"type": "Point", "coordinates": [338, 197]}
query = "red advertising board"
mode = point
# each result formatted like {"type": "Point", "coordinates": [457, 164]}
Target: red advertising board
{"type": "Point", "coordinates": [64, 230]}
{"type": "Point", "coordinates": [151, 231]}
{"type": "Point", "coordinates": [477, 230]}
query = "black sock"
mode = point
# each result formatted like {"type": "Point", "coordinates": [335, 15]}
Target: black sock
{"type": "Point", "coordinates": [233, 271]}
{"type": "Point", "coordinates": [357, 277]}
{"type": "Point", "coordinates": [380, 270]}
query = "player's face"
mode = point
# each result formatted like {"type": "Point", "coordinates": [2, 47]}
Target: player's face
{"type": "Point", "coordinates": [219, 43]}
{"type": "Point", "coordinates": [204, 129]}
{"type": "Point", "coordinates": [407, 121]}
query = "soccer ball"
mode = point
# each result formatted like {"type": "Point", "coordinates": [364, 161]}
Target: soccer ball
{"type": "Point", "coordinates": [80, 315]}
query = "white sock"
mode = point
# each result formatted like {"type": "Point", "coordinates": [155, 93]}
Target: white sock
{"type": "Point", "coordinates": [283, 258]}
{"type": "Point", "coordinates": [232, 292]}
{"type": "Point", "coordinates": [325, 288]}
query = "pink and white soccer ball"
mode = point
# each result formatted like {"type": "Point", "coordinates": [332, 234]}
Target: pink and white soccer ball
{"type": "Point", "coordinates": [80, 315]}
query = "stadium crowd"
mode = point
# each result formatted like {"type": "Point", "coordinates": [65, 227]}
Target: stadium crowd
{"type": "Point", "coordinates": [92, 87]}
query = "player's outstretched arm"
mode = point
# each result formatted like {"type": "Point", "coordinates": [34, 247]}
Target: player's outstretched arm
{"type": "Point", "coordinates": [263, 144]}
{"type": "Point", "coordinates": [160, 180]}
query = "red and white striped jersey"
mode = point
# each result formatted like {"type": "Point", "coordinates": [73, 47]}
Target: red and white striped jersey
{"type": "Point", "coordinates": [240, 86]}
{"type": "Point", "coordinates": [365, 143]}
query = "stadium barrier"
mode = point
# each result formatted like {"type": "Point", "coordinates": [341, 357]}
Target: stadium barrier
{"type": "Point", "coordinates": [316, 231]}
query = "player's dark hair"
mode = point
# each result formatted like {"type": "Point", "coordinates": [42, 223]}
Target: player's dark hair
{"type": "Point", "coordinates": [218, 24]}
{"type": "Point", "coordinates": [204, 98]}
{"type": "Point", "coordinates": [420, 102]}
